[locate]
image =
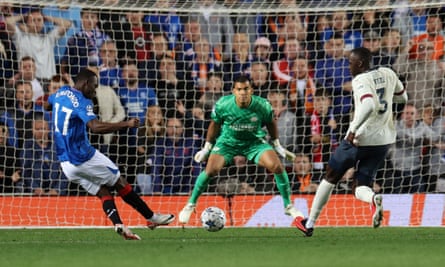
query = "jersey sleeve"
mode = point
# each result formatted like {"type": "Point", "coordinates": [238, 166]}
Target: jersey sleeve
{"type": "Point", "coordinates": [361, 89]}
{"type": "Point", "coordinates": [86, 112]}
{"type": "Point", "coordinates": [216, 113]}
{"type": "Point", "coordinates": [268, 114]}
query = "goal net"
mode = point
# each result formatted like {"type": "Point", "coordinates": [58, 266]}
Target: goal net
{"type": "Point", "coordinates": [167, 63]}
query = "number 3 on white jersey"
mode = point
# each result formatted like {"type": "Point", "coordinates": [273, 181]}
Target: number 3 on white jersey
{"type": "Point", "coordinates": [66, 112]}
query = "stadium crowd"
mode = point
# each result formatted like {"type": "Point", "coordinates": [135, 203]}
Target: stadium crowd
{"type": "Point", "coordinates": [168, 68]}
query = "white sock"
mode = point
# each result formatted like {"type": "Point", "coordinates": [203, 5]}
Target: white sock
{"type": "Point", "coordinates": [364, 193]}
{"type": "Point", "coordinates": [321, 197]}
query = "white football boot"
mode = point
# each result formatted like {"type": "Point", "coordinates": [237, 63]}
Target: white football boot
{"type": "Point", "coordinates": [186, 213]}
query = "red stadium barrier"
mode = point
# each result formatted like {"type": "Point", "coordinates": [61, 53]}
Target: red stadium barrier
{"type": "Point", "coordinates": [244, 211]}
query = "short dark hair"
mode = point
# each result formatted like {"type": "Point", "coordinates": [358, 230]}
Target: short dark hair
{"type": "Point", "coordinates": [242, 79]}
{"type": "Point", "coordinates": [322, 92]}
{"type": "Point", "coordinates": [128, 61]}
{"type": "Point", "coordinates": [363, 54]}
{"type": "Point", "coordinates": [87, 10]}
{"type": "Point", "coordinates": [21, 83]}
{"type": "Point", "coordinates": [85, 74]}
{"type": "Point", "coordinates": [26, 58]}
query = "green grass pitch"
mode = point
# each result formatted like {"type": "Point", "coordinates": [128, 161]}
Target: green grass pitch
{"type": "Point", "coordinates": [244, 247]}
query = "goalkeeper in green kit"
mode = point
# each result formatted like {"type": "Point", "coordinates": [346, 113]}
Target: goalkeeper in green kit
{"type": "Point", "coordinates": [236, 129]}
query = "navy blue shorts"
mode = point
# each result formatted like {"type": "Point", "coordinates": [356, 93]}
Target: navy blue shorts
{"type": "Point", "coordinates": [365, 159]}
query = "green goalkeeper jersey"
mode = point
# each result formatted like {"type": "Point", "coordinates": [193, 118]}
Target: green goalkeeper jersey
{"type": "Point", "coordinates": [242, 126]}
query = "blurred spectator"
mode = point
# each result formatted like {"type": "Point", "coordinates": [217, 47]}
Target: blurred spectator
{"type": "Point", "coordinates": [245, 22]}
{"type": "Point", "coordinates": [376, 20]}
{"type": "Point", "coordinates": [149, 69]}
{"type": "Point", "coordinates": [260, 77]}
{"type": "Point", "coordinates": [18, 117]}
{"type": "Point", "coordinates": [7, 64]}
{"type": "Point", "coordinates": [341, 25]}
{"type": "Point", "coordinates": [83, 48]}
{"type": "Point", "coordinates": [282, 26]}
{"type": "Point", "coordinates": [239, 63]}
{"type": "Point", "coordinates": [148, 134]}
{"type": "Point", "coordinates": [391, 44]}
{"type": "Point", "coordinates": [109, 69]}
{"type": "Point", "coordinates": [332, 73]}
{"type": "Point", "coordinates": [242, 177]}
{"type": "Point", "coordinates": [324, 129]}
{"type": "Point", "coordinates": [174, 167]}
{"type": "Point", "coordinates": [135, 97]}
{"type": "Point", "coordinates": [197, 121]}
{"type": "Point", "coordinates": [301, 88]}
{"type": "Point", "coordinates": [292, 28]}
{"type": "Point", "coordinates": [68, 10]}
{"type": "Point", "coordinates": [372, 41]}
{"type": "Point", "coordinates": [282, 68]}
{"type": "Point", "coordinates": [108, 108]}
{"type": "Point", "coordinates": [214, 90]}
{"type": "Point", "coordinates": [112, 23]}
{"type": "Point", "coordinates": [142, 35]}
{"type": "Point", "coordinates": [413, 137]}
{"type": "Point", "coordinates": [262, 50]}
{"type": "Point", "coordinates": [435, 157]}
{"type": "Point", "coordinates": [423, 76]}
{"type": "Point", "coordinates": [317, 25]}
{"type": "Point", "coordinates": [433, 34]}
{"type": "Point", "coordinates": [410, 21]}
{"type": "Point", "coordinates": [216, 26]}
{"type": "Point", "coordinates": [286, 120]}
{"type": "Point", "coordinates": [303, 178]}
{"type": "Point", "coordinates": [55, 83]}
{"type": "Point", "coordinates": [192, 34]}
{"type": "Point", "coordinates": [8, 56]}
{"type": "Point", "coordinates": [171, 89]}
{"type": "Point", "coordinates": [203, 64]}
{"type": "Point", "coordinates": [28, 72]}
{"type": "Point", "coordinates": [167, 21]}
{"type": "Point", "coordinates": [10, 169]}
{"type": "Point", "coordinates": [41, 169]}
{"type": "Point", "coordinates": [31, 40]}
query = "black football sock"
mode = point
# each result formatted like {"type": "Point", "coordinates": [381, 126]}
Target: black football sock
{"type": "Point", "coordinates": [134, 200]}
{"type": "Point", "coordinates": [110, 209]}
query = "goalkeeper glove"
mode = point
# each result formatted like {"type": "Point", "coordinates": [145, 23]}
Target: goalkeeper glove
{"type": "Point", "coordinates": [282, 151]}
{"type": "Point", "coordinates": [203, 154]}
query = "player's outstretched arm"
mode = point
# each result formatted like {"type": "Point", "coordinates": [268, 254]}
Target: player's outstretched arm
{"type": "Point", "coordinates": [212, 133]}
{"type": "Point", "coordinates": [273, 132]}
{"type": "Point", "coordinates": [101, 127]}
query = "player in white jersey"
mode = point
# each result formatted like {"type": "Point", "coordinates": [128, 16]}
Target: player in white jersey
{"type": "Point", "coordinates": [72, 113]}
{"type": "Point", "coordinates": [368, 138]}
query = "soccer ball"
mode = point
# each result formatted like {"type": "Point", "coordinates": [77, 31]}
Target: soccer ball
{"type": "Point", "coordinates": [213, 219]}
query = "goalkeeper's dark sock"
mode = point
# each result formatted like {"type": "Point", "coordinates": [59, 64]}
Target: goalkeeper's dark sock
{"type": "Point", "coordinates": [110, 209]}
{"type": "Point", "coordinates": [131, 198]}
{"type": "Point", "coordinates": [201, 184]}
{"type": "Point", "coordinates": [282, 181]}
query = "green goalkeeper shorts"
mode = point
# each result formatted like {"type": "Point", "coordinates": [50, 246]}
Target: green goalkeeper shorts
{"type": "Point", "coordinates": [251, 150]}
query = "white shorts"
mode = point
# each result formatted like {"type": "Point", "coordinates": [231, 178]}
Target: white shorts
{"type": "Point", "coordinates": [92, 174]}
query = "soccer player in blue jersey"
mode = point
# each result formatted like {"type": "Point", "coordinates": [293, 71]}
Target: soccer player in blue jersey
{"type": "Point", "coordinates": [370, 134]}
{"type": "Point", "coordinates": [72, 113]}
{"type": "Point", "coordinates": [237, 129]}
